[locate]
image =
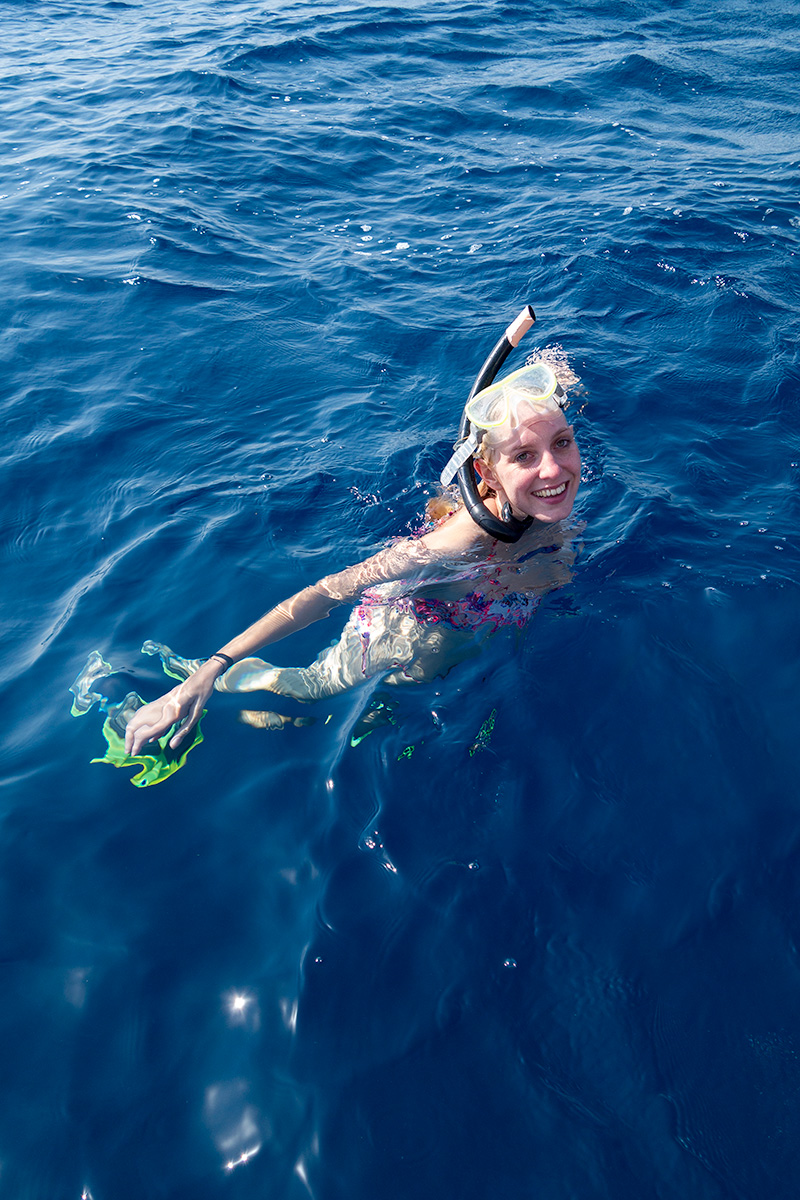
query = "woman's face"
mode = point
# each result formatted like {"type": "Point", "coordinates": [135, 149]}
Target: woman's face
{"type": "Point", "coordinates": [536, 469]}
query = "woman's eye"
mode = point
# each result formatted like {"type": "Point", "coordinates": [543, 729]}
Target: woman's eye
{"type": "Point", "coordinates": [522, 457]}
{"type": "Point", "coordinates": [562, 443]}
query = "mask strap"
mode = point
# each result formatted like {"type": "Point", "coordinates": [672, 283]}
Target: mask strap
{"type": "Point", "coordinates": [463, 450]}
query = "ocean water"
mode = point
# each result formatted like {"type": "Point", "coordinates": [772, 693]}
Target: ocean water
{"type": "Point", "coordinates": [539, 937]}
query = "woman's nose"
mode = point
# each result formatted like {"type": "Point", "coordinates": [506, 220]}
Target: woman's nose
{"type": "Point", "coordinates": [548, 467]}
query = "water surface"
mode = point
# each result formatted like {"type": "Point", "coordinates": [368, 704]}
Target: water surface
{"type": "Point", "coordinates": [253, 258]}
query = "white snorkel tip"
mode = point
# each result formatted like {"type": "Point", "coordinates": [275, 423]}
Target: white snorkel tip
{"type": "Point", "coordinates": [520, 325]}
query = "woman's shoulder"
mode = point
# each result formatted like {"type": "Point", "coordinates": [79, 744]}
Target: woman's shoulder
{"type": "Point", "coordinates": [457, 534]}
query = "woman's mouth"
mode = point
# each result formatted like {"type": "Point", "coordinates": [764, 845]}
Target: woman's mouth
{"type": "Point", "coordinates": [549, 493]}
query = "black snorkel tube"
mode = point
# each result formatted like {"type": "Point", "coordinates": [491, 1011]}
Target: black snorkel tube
{"type": "Point", "coordinates": [506, 528]}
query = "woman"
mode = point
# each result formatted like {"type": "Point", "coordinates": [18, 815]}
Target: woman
{"type": "Point", "coordinates": [423, 603]}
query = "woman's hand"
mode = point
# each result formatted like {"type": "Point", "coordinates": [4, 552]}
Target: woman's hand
{"type": "Point", "coordinates": [184, 704]}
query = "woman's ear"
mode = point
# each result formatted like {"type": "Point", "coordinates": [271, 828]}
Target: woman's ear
{"type": "Point", "coordinates": [486, 473]}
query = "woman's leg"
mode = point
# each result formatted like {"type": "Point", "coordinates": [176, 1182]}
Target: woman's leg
{"type": "Point", "coordinates": [338, 668]}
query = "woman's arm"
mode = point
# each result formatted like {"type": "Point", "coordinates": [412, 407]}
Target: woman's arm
{"type": "Point", "coordinates": [406, 559]}
{"type": "Point", "coordinates": [185, 702]}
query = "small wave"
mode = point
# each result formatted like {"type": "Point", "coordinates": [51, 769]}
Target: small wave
{"type": "Point", "coordinates": [649, 75]}
{"type": "Point", "coordinates": [525, 99]}
{"type": "Point", "coordinates": [198, 82]}
{"type": "Point", "coordinates": [279, 52]}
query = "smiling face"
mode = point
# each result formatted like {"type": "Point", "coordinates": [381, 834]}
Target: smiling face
{"type": "Point", "coordinates": [536, 468]}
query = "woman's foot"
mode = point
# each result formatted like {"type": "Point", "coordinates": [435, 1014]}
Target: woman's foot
{"type": "Point", "coordinates": [263, 719]}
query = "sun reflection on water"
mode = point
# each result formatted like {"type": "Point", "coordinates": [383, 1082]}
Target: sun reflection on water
{"type": "Point", "coordinates": [241, 1008]}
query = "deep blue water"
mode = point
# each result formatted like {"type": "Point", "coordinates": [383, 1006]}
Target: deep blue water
{"type": "Point", "coordinates": [253, 256]}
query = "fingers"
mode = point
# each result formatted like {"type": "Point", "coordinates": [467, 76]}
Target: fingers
{"type": "Point", "coordinates": [148, 724]}
{"type": "Point", "coordinates": [181, 732]}
{"type": "Point", "coordinates": [137, 736]}
{"type": "Point", "coordinates": [130, 738]}
{"type": "Point", "coordinates": [157, 718]}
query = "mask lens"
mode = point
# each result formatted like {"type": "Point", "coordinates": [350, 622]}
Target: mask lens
{"type": "Point", "coordinates": [537, 382]}
{"type": "Point", "coordinates": [489, 408]}
{"type": "Point", "coordinates": [533, 385]}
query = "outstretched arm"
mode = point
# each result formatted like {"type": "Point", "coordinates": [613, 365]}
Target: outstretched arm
{"type": "Point", "coordinates": [183, 705]}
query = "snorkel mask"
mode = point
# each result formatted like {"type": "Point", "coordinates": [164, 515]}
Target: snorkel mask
{"type": "Point", "coordinates": [530, 391]}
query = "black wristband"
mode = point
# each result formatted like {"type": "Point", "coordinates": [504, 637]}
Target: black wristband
{"type": "Point", "coordinates": [226, 658]}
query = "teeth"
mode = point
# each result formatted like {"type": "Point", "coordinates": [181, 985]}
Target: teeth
{"type": "Point", "coordinates": [552, 491]}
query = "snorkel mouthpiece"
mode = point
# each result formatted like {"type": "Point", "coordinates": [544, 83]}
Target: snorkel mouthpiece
{"type": "Point", "coordinates": [507, 528]}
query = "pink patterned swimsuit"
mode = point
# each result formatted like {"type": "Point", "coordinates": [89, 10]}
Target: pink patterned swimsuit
{"type": "Point", "coordinates": [465, 614]}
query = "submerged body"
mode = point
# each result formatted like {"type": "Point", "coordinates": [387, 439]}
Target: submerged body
{"type": "Point", "coordinates": [421, 605]}
{"type": "Point", "coordinates": [404, 631]}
